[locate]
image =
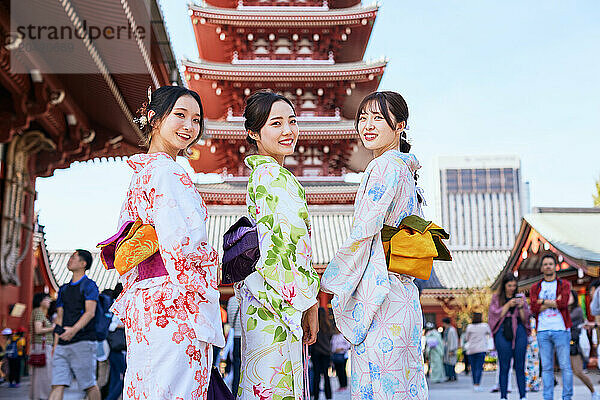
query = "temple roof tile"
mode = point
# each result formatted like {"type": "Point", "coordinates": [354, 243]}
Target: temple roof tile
{"type": "Point", "coordinates": [343, 129]}
{"type": "Point", "coordinates": [286, 72]}
{"type": "Point", "coordinates": [284, 16]}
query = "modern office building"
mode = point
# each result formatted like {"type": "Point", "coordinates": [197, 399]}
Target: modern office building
{"type": "Point", "coordinates": [482, 200]}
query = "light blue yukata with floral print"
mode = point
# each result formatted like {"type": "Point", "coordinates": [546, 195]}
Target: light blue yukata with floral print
{"type": "Point", "coordinates": [376, 310]}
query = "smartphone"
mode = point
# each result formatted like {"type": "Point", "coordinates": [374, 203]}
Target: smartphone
{"type": "Point", "coordinates": [59, 330]}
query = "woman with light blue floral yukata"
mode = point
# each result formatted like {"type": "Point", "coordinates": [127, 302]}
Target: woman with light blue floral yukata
{"type": "Point", "coordinates": [278, 301]}
{"type": "Point", "coordinates": [376, 310]}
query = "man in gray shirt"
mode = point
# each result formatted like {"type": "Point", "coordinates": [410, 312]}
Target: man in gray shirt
{"type": "Point", "coordinates": [450, 347]}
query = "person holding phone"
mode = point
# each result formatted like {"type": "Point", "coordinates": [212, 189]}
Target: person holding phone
{"type": "Point", "coordinates": [508, 318]}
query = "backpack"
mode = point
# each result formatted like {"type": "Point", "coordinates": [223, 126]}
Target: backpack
{"type": "Point", "coordinates": [103, 316]}
{"type": "Point", "coordinates": [12, 350]}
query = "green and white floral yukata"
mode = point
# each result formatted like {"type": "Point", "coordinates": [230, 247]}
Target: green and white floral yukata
{"type": "Point", "coordinates": [273, 298]}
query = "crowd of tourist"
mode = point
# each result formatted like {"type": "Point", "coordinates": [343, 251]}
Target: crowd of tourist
{"type": "Point", "coordinates": [523, 335]}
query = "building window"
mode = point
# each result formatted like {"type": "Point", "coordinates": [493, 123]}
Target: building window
{"type": "Point", "coordinates": [480, 180]}
{"type": "Point", "coordinates": [509, 179]}
{"type": "Point", "coordinates": [495, 180]}
{"type": "Point", "coordinates": [466, 180]}
{"type": "Point", "coordinates": [452, 180]}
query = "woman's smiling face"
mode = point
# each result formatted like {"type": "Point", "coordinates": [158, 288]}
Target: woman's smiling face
{"type": "Point", "coordinates": [278, 137]}
{"type": "Point", "coordinates": [179, 129]}
{"type": "Point", "coordinates": [375, 132]}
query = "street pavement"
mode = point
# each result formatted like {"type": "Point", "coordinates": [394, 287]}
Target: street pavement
{"type": "Point", "coordinates": [459, 390]}
{"type": "Point", "coordinates": [462, 389]}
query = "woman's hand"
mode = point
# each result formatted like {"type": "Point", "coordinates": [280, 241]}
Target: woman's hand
{"type": "Point", "coordinates": [509, 304]}
{"type": "Point", "coordinates": [310, 324]}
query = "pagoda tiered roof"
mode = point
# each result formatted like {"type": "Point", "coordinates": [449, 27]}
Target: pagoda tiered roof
{"type": "Point", "coordinates": [343, 129]}
{"type": "Point", "coordinates": [344, 84]}
{"type": "Point", "coordinates": [245, 3]}
{"type": "Point", "coordinates": [341, 33]}
{"type": "Point", "coordinates": [285, 16]}
{"type": "Point", "coordinates": [271, 71]}
{"type": "Point", "coordinates": [311, 52]}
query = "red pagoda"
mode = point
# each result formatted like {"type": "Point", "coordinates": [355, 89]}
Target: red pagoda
{"type": "Point", "coordinates": [312, 52]}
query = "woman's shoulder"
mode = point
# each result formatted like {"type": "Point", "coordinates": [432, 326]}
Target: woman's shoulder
{"type": "Point", "coordinates": [394, 162]}
{"type": "Point", "coordinates": [37, 314]}
{"type": "Point", "coordinates": [167, 172]}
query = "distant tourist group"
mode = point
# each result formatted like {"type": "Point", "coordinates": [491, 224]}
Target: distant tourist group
{"type": "Point", "coordinates": [169, 304]}
{"type": "Point", "coordinates": [525, 337]}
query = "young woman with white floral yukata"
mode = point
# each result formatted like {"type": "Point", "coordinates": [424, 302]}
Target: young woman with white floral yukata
{"type": "Point", "coordinates": [376, 310]}
{"type": "Point", "coordinates": [171, 318]}
{"type": "Point", "coordinates": [278, 301]}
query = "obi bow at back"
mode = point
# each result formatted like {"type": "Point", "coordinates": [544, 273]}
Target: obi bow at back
{"type": "Point", "coordinates": [411, 247]}
{"type": "Point", "coordinates": [134, 245]}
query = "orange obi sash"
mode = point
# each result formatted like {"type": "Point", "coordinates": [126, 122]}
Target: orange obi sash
{"type": "Point", "coordinates": [134, 245]}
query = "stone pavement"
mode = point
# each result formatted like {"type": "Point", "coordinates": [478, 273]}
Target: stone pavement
{"type": "Point", "coordinates": [22, 392]}
{"type": "Point", "coordinates": [463, 389]}
{"type": "Point", "coordinates": [459, 390]}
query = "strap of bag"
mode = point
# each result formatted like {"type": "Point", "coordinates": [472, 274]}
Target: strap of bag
{"type": "Point", "coordinates": [305, 372]}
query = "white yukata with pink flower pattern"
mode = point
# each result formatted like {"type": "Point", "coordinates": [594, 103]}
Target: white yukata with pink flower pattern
{"type": "Point", "coordinates": [273, 298]}
{"type": "Point", "coordinates": [170, 321]}
{"type": "Point", "coordinates": [376, 310]}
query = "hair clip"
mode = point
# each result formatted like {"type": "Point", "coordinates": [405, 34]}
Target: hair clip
{"type": "Point", "coordinates": [149, 94]}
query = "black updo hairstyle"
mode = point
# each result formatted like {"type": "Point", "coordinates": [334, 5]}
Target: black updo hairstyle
{"type": "Point", "coordinates": [38, 298]}
{"type": "Point", "coordinates": [257, 110]}
{"type": "Point", "coordinates": [394, 109]}
{"type": "Point", "coordinates": [162, 101]}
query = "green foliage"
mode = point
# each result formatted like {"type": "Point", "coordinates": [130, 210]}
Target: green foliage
{"type": "Point", "coordinates": [270, 329]}
{"type": "Point", "coordinates": [261, 192]}
{"type": "Point", "coordinates": [280, 335]}
{"type": "Point", "coordinates": [474, 300]}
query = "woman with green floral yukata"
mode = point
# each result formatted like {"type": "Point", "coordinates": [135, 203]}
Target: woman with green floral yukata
{"type": "Point", "coordinates": [278, 301]}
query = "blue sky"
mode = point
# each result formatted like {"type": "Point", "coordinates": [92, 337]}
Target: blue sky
{"type": "Point", "coordinates": [508, 77]}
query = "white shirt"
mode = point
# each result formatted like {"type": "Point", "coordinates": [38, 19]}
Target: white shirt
{"type": "Point", "coordinates": [234, 317]}
{"type": "Point", "coordinates": [550, 319]}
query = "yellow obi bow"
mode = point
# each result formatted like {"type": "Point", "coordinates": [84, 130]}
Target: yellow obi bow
{"type": "Point", "coordinates": [135, 243]}
{"type": "Point", "coordinates": [411, 248]}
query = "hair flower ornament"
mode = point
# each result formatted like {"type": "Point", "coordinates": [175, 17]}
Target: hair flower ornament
{"type": "Point", "coordinates": [141, 121]}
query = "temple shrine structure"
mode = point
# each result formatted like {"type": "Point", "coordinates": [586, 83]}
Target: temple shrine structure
{"type": "Point", "coordinates": [50, 120]}
{"type": "Point", "coordinates": [311, 52]}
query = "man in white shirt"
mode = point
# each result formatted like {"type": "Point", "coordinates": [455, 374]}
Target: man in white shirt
{"type": "Point", "coordinates": [549, 303]}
